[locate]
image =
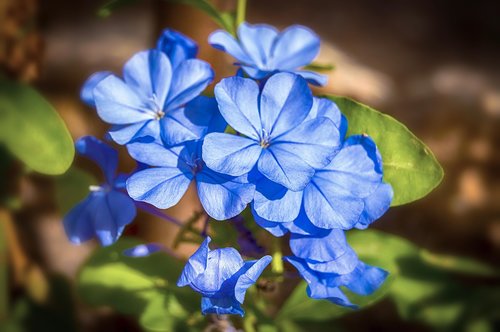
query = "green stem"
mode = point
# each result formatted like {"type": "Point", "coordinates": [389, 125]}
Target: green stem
{"type": "Point", "coordinates": [277, 263]}
{"type": "Point", "coordinates": [240, 12]}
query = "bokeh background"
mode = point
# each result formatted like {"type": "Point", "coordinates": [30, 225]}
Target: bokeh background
{"type": "Point", "coordinates": [433, 65]}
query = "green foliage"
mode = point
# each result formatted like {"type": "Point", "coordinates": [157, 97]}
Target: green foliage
{"type": "Point", "coordinates": [4, 273]}
{"type": "Point", "coordinates": [409, 165]}
{"type": "Point", "coordinates": [423, 290]}
{"type": "Point", "coordinates": [72, 187]}
{"type": "Point", "coordinates": [321, 67]}
{"type": "Point", "coordinates": [143, 287]}
{"type": "Point", "coordinates": [109, 7]}
{"type": "Point", "coordinates": [32, 130]}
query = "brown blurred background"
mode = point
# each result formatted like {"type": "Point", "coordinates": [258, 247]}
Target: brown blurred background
{"type": "Point", "coordinates": [434, 65]}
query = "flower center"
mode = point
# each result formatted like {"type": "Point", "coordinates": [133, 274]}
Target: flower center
{"type": "Point", "coordinates": [159, 114]}
{"type": "Point", "coordinates": [265, 140]}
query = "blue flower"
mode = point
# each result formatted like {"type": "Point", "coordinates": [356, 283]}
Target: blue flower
{"type": "Point", "coordinates": [177, 46]}
{"type": "Point", "coordinates": [106, 210]}
{"type": "Point", "coordinates": [326, 262]}
{"type": "Point", "coordinates": [221, 277]}
{"type": "Point", "coordinates": [222, 196]}
{"type": "Point", "coordinates": [362, 280]}
{"type": "Point", "coordinates": [280, 139]}
{"type": "Point", "coordinates": [151, 97]}
{"type": "Point", "coordinates": [348, 192]}
{"type": "Point", "coordinates": [262, 50]}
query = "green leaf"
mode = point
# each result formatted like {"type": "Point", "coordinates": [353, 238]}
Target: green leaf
{"type": "Point", "coordinates": [459, 264]}
{"type": "Point", "coordinates": [143, 287]}
{"type": "Point", "coordinates": [32, 130]}
{"type": "Point", "coordinates": [72, 187]}
{"type": "Point", "coordinates": [321, 67]}
{"type": "Point", "coordinates": [409, 165]}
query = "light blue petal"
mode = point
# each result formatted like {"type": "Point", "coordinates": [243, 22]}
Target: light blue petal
{"type": "Point", "coordinates": [275, 202]}
{"type": "Point", "coordinates": [87, 91]}
{"type": "Point", "coordinates": [222, 196]}
{"type": "Point", "coordinates": [335, 197]}
{"type": "Point", "coordinates": [222, 264]}
{"type": "Point", "coordinates": [221, 306]}
{"type": "Point", "coordinates": [256, 73]}
{"type": "Point", "coordinates": [230, 154]}
{"type": "Point", "coordinates": [257, 40]}
{"type": "Point", "coordinates": [365, 279]}
{"type": "Point", "coordinates": [285, 168]}
{"type": "Point", "coordinates": [112, 213]}
{"type": "Point", "coordinates": [313, 77]}
{"type": "Point", "coordinates": [192, 122]}
{"type": "Point", "coordinates": [303, 226]}
{"type": "Point", "coordinates": [327, 108]}
{"type": "Point", "coordinates": [315, 141]}
{"type": "Point", "coordinates": [146, 131]}
{"type": "Point", "coordinates": [155, 154]}
{"type": "Point", "coordinates": [162, 187]}
{"type": "Point", "coordinates": [195, 265]}
{"type": "Point", "coordinates": [333, 294]}
{"type": "Point", "coordinates": [284, 103]}
{"type": "Point", "coordinates": [99, 152]}
{"type": "Point", "coordinates": [176, 46]}
{"type": "Point", "coordinates": [277, 229]}
{"type": "Point", "coordinates": [117, 103]}
{"type": "Point", "coordinates": [223, 41]}
{"type": "Point", "coordinates": [149, 74]}
{"type": "Point", "coordinates": [238, 103]}
{"type": "Point", "coordinates": [376, 205]}
{"type": "Point", "coordinates": [253, 270]}
{"type": "Point", "coordinates": [189, 79]}
{"type": "Point", "coordinates": [143, 250]}
{"type": "Point", "coordinates": [296, 46]}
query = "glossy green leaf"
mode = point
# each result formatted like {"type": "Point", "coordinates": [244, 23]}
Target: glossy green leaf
{"type": "Point", "coordinates": [32, 130]}
{"type": "Point", "coordinates": [459, 264]}
{"type": "Point", "coordinates": [143, 287]}
{"type": "Point", "coordinates": [409, 165]}
{"type": "Point", "coordinates": [72, 187]}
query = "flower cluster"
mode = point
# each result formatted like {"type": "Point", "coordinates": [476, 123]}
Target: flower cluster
{"type": "Point", "coordinates": [264, 140]}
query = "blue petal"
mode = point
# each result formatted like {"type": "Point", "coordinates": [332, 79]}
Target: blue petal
{"type": "Point", "coordinates": [223, 41]}
{"type": "Point", "coordinates": [327, 108]}
{"type": "Point", "coordinates": [99, 152]}
{"type": "Point", "coordinates": [257, 40]}
{"type": "Point", "coordinates": [328, 253]}
{"type": "Point", "coordinates": [335, 197]}
{"type": "Point", "coordinates": [375, 205]}
{"type": "Point", "coordinates": [314, 141]}
{"type": "Point", "coordinates": [117, 103]}
{"type": "Point", "coordinates": [230, 154]}
{"type": "Point", "coordinates": [143, 250]}
{"type": "Point", "coordinates": [176, 46]}
{"type": "Point", "coordinates": [162, 187]}
{"type": "Point", "coordinates": [221, 306]}
{"type": "Point", "coordinates": [277, 229]}
{"type": "Point", "coordinates": [275, 202]}
{"type": "Point", "coordinates": [253, 269]}
{"type": "Point", "coordinates": [155, 154]}
{"type": "Point", "coordinates": [222, 196]}
{"type": "Point", "coordinates": [365, 279]}
{"type": "Point", "coordinates": [284, 103]}
{"type": "Point", "coordinates": [78, 222]}
{"type": "Point", "coordinates": [313, 77]}
{"type": "Point", "coordinates": [87, 91]}
{"type": "Point", "coordinates": [198, 118]}
{"type": "Point", "coordinates": [222, 264]}
{"type": "Point", "coordinates": [141, 131]}
{"type": "Point", "coordinates": [238, 103]}
{"type": "Point", "coordinates": [195, 265]}
{"type": "Point", "coordinates": [149, 74]}
{"type": "Point", "coordinates": [256, 73]}
{"type": "Point", "coordinates": [303, 226]}
{"type": "Point", "coordinates": [285, 168]}
{"type": "Point", "coordinates": [189, 79]}
{"type": "Point", "coordinates": [295, 47]}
